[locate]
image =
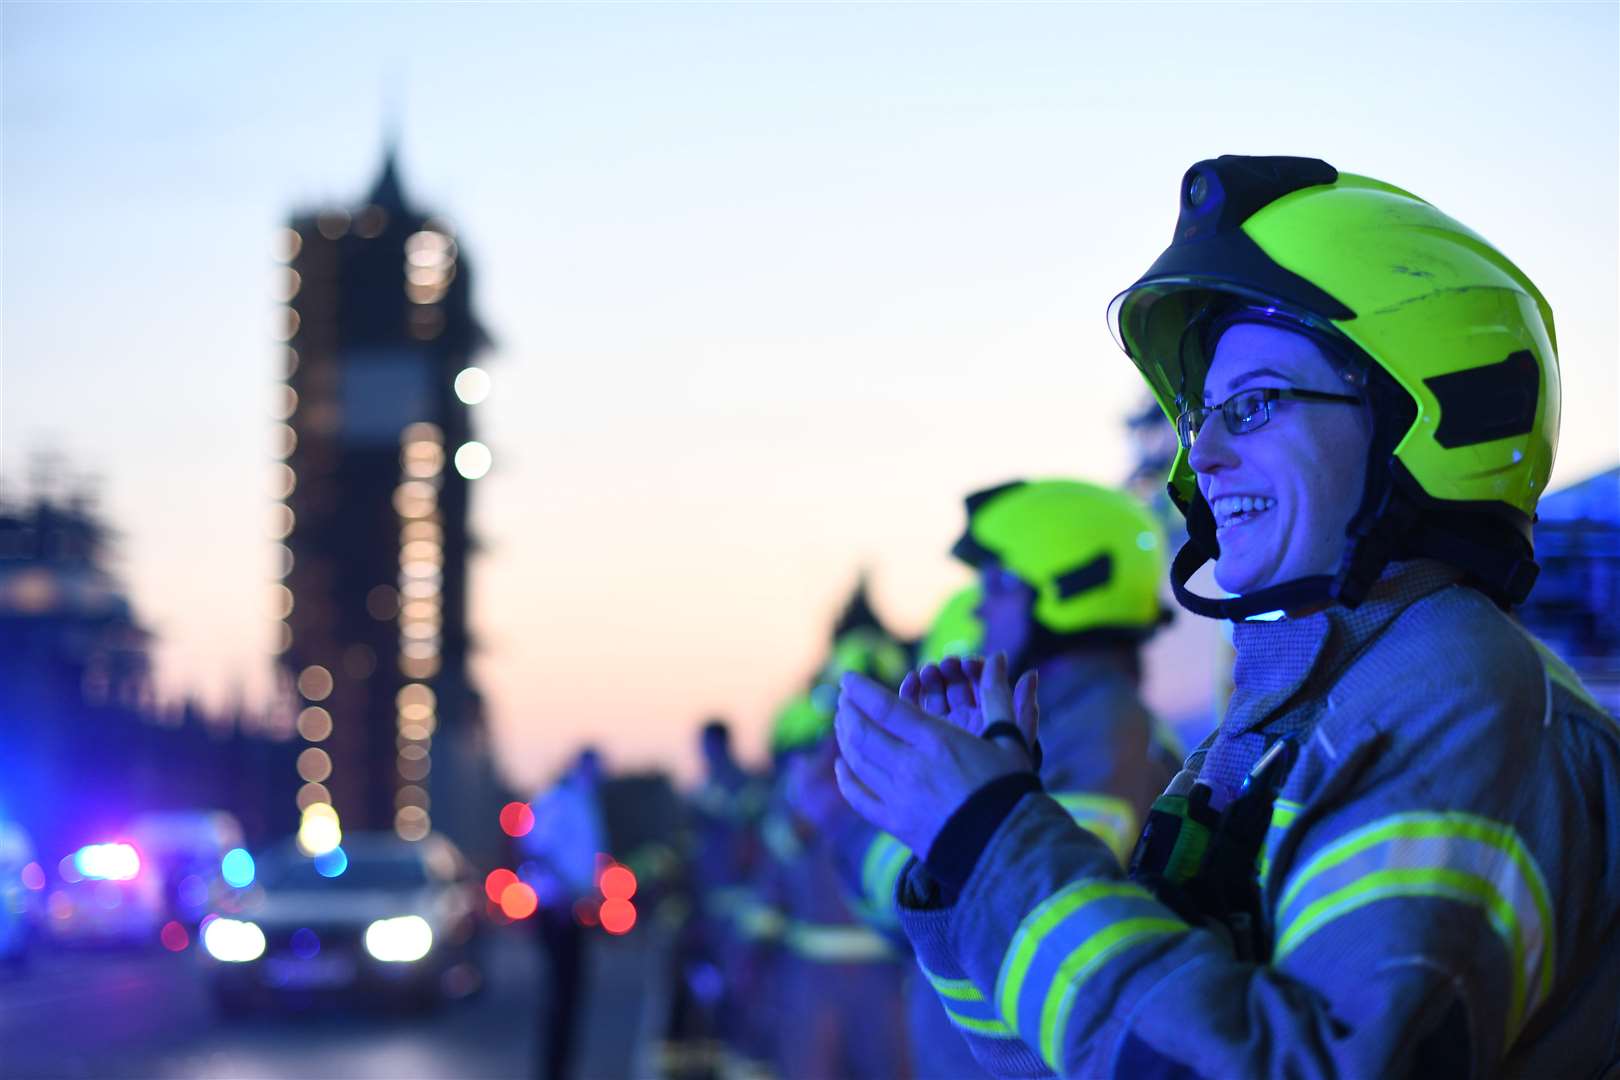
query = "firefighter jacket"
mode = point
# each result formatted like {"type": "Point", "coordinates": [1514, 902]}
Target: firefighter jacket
{"type": "Point", "coordinates": [1439, 885]}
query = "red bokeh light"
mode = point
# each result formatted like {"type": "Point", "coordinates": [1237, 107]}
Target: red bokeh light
{"type": "Point", "coordinates": [617, 883]}
{"type": "Point", "coordinates": [496, 884]}
{"type": "Point", "coordinates": [618, 916]}
{"type": "Point", "coordinates": [518, 901]}
{"type": "Point", "coordinates": [516, 819]}
{"type": "Point", "coordinates": [33, 877]}
{"type": "Point", "coordinates": [174, 936]}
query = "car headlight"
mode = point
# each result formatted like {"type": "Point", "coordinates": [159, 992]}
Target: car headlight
{"type": "Point", "coordinates": [399, 940]}
{"type": "Point", "coordinates": [234, 941]}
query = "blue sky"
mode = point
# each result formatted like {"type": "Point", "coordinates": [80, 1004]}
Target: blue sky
{"type": "Point", "coordinates": [772, 285]}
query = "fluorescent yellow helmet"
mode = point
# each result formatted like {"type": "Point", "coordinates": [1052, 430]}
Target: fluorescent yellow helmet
{"type": "Point", "coordinates": [1457, 344]}
{"type": "Point", "coordinates": [1094, 556]}
{"type": "Point", "coordinates": [956, 629]}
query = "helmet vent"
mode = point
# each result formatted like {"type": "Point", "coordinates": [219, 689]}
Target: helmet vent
{"type": "Point", "coordinates": [1496, 401]}
{"type": "Point", "coordinates": [1089, 576]}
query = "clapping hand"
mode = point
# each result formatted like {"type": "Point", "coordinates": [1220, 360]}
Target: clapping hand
{"type": "Point", "coordinates": [909, 760]}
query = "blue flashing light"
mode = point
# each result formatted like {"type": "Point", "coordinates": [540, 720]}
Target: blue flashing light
{"type": "Point", "coordinates": [237, 868]}
{"type": "Point", "coordinates": [332, 863]}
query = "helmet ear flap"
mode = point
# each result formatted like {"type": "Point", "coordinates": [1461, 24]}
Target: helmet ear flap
{"type": "Point", "coordinates": [1200, 523]}
{"type": "Point", "coordinates": [1377, 531]}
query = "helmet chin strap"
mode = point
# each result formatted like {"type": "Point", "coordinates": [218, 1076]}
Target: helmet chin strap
{"type": "Point", "coordinates": [1287, 596]}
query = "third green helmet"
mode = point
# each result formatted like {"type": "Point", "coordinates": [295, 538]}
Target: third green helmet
{"type": "Point", "coordinates": [956, 629]}
{"type": "Point", "coordinates": [1457, 344]}
{"type": "Point", "coordinates": [798, 723]}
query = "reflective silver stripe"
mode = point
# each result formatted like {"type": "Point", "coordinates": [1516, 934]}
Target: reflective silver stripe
{"type": "Point", "coordinates": [1110, 819]}
{"type": "Point", "coordinates": [836, 943]}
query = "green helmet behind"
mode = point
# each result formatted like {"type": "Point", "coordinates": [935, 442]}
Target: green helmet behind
{"type": "Point", "coordinates": [1457, 344]}
{"type": "Point", "coordinates": [868, 650]}
{"type": "Point", "coordinates": [799, 723]}
{"type": "Point", "coordinates": [956, 629]}
{"type": "Point", "coordinates": [1094, 556]}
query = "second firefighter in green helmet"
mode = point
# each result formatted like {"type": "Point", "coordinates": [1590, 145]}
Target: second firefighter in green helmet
{"type": "Point", "coordinates": [1069, 577]}
{"type": "Point", "coordinates": [1069, 580]}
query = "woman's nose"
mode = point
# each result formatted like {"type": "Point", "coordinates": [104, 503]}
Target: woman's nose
{"type": "Point", "coordinates": [1212, 447]}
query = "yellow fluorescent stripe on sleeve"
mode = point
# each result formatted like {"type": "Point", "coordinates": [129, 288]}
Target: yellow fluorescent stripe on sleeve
{"type": "Point", "coordinates": [989, 1029]}
{"type": "Point", "coordinates": [1283, 813]}
{"type": "Point", "coordinates": [955, 989]}
{"type": "Point", "coordinates": [1038, 924]}
{"type": "Point", "coordinates": [880, 870]}
{"type": "Point", "coordinates": [1084, 962]}
{"type": "Point", "coordinates": [1111, 820]}
{"type": "Point", "coordinates": [1455, 856]}
{"type": "Point", "coordinates": [964, 991]}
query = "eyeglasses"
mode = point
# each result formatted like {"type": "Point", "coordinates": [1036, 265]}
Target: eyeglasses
{"type": "Point", "coordinates": [1247, 410]}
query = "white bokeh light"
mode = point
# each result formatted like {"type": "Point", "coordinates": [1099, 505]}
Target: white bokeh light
{"type": "Point", "coordinates": [472, 385]}
{"type": "Point", "coordinates": [473, 460]}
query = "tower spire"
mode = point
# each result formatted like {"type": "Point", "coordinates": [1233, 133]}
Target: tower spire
{"type": "Point", "coordinates": [387, 192]}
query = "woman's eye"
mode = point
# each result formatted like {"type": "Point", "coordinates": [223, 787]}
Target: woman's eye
{"type": "Point", "coordinates": [1248, 407]}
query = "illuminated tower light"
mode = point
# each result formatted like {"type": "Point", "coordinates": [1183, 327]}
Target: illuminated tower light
{"type": "Point", "coordinates": [333, 224]}
{"type": "Point", "coordinates": [314, 724]}
{"type": "Point", "coordinates": [473, 460]}
{"type": "Point", "coordinates": [414, 668]}
{"type": "Point", "coordinates": [289, 242]}
{"type": "Point", "coordinates": [472, 385]}
{"type": "Point", "coordinates": [285, 440]}
{"type": "Point", "coordinates": [419, 590]}
{"type": "Point", "coordinates": [315, 765]}
{"type": "Point", "coordinates": [315, 683]}
{"type": "Point", "coordinates": [289, 324]}
{"type": "Point", "coordinates": [319, 830]}
{"type": "Point", "coordinates": [288, 282]}
{"type": "Point", "coordinates": [282, 481]}
{"type": "Point", "coordinates": [412, 823]}
{"type": "Point", "coordinates": [417, 730]}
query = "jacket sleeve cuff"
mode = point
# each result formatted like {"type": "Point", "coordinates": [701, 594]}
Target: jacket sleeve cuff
{"type": "Point", "coordinates": [967, 832]}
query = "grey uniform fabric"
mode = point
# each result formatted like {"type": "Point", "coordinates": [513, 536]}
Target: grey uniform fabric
{"type": "Point", "coordinates": [1441, 879]}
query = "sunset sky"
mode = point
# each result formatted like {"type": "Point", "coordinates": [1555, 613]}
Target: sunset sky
{"type": "Point", "coordinates": [771, 286]}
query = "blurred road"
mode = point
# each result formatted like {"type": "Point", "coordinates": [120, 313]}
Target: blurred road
{"type": "Point", "coordinates": [148, 1014]}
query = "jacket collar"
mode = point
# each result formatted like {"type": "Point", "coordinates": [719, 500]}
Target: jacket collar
{"type": "Point", "coordinates": [1278, 660]}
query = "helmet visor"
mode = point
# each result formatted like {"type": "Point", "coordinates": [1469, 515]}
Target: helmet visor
{"type": "Point", "coordinates": [1168, 328]}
